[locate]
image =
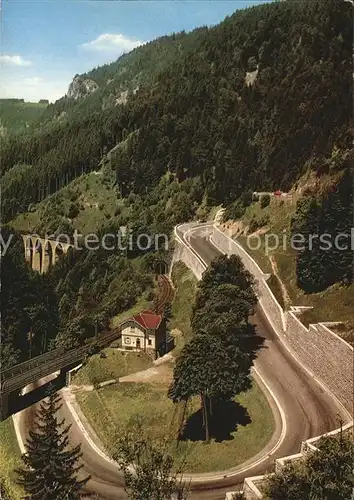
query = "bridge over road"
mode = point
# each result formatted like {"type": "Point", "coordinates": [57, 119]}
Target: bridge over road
{"type": "Point", "coordinates": [16, 378]}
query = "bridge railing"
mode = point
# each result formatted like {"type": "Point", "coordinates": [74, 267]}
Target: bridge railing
{"type": "Point", "coordinates": [30, 364]}
{"type": "Point", "coordinates": [24, 373]}
{"type": "Point", "coordinates": [58, 239]}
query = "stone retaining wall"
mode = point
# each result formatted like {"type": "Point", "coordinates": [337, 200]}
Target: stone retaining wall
{"type": "Point", "coordinates": [329, 356]}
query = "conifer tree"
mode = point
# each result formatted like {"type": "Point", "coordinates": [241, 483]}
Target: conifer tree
{"type": "Point", "coordinates": [206, 367]}
{"type": "Point", "coordinates": [51, 468]}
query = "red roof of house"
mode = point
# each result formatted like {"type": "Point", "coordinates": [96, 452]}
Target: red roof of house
{"type": "Point", "coordinates": [277, 192]}
{"type": "Point", "coordinates": [148, 319]}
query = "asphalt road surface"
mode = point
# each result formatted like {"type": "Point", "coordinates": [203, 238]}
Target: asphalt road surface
{"type": "Point", "coordinates": [309, 411]}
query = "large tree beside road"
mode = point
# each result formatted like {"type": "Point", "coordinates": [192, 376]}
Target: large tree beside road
{"type": "Point", "coordinates": [216, 363]}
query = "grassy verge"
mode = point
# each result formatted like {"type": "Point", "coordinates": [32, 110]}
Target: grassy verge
{"type": "Point", "coordinates": [275, 286]}
{"type": "Point", "coordinates": [257, 254]}
{"type": "Point", "coordinates": [115, 364]}
{"type": "Point", "coordinates": [335, 304]}
{"type": "Point", "coordinates": [141, 304]}
{"type": "Point", "coordinates": [113, 409]}
{"type": "Point", "coordinates": [186, 284]}
{"type": "Point", "coordinates": [9, 458]}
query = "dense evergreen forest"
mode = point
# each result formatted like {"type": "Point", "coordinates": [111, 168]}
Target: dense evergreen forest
{"type": "Point", "coordinates": [67, 306]}
{"type": "Point", "coordinates": [201, 115]}
{"type": "Point", "coordinates": [90, 287]}
{"type": "Point", "coordinates": [329, 260]}
{"type": "Point", "coordinates": [189, 120]}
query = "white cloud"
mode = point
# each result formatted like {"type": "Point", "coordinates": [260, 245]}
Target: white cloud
{"type": "Point", "coordinates": [13, 60]}
{"type": "Point", "coordinates": [33, 80]}
{"type": "Point", "coordinates": [116, 44]}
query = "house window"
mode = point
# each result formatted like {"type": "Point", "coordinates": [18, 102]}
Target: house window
{"type": "Point", "coordinates": [149, 342]}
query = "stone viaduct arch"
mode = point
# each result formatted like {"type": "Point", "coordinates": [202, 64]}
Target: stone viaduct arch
{"type": "Point", "coordinates": [42, 253]}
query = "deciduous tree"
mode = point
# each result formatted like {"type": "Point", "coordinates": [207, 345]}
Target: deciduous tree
{"type": "Point", "coordinates": [216, 363]}
{"type": "Point", "coordinates": [150, 472]}
{"type": "Point", "coordinates": [326, 474]}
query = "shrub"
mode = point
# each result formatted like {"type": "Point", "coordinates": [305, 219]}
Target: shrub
{"type": "Point", "coordinates": [265, 200]}
{"type": "Point", "coordinates": [73, 210]}
{"type": "Point", "coordinates": [258, 223]}
{"type": "Point", "coordinates": [73, 196]}
{"type": "Point", "coordinates": [95, 383]}
{"type": "Point", "coordinates": [247, 198]}
{"type": "Point", "coordinates": [325, 473]}
{"type": "Point", "coordinates": [234, 211]}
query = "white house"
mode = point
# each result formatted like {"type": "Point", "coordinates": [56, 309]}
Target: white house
{"type": "Point", "coordinates": [145, 331]}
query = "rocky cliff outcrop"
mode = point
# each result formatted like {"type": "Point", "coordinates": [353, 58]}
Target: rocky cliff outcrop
{"type": "Point", "coordinates": [80, 88]}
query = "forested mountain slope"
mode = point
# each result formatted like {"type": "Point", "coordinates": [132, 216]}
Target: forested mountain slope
{"type": "Point", "coordinates": [251, 104]}
{"type": "Point", "coordinates": [202, 116]}
{"type": "Point", "coordinates": [119, 80]}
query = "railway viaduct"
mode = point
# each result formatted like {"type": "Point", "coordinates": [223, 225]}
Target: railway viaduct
{"type": "Point", "coordinates": [42, 253]}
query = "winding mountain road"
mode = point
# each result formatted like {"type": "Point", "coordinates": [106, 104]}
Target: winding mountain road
{"type": "Point", "coordinates": [308, 411]}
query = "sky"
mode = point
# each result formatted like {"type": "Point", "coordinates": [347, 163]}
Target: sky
{"type": "Point", "coordinates": [44, 43]}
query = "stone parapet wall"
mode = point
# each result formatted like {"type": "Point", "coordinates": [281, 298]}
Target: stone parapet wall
{"type": "Point", "coordinates": [184, 253]}
{"type": "Point", "coordinates": [250, 489]}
